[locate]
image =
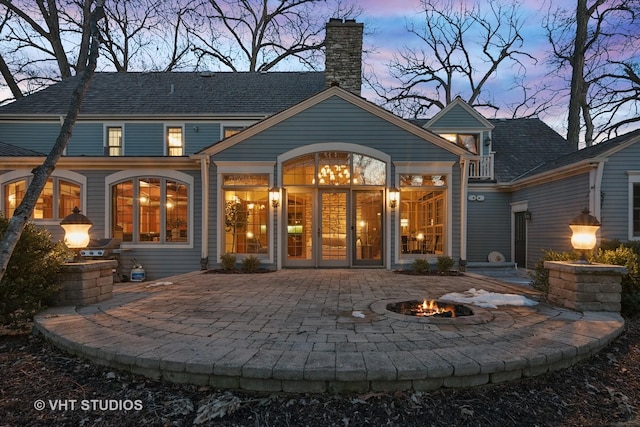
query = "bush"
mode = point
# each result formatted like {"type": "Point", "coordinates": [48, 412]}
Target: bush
{"type": "Point", "coordinates": [250, 264]}
{"type": "Point", "coordinates": [228, 261]}
{"type": "Point", "coordinates": [420, 266]}
{"type": "Point", "coordinates": [444, 264]}
{"type": "Point", "coordinates": [540, 274]}
{"type": "Point", "coordinates": [32, 276]}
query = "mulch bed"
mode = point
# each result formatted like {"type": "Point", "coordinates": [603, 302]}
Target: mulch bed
{"type": "Point", "coordinates": [603, 390]}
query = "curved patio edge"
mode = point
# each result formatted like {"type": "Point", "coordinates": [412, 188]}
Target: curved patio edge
{"type": "Point", "coordinates": [296, 332]}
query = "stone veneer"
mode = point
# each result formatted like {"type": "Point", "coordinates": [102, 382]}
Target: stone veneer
{"type": "Point", "coordinates": [85, 283]}
{"type": "Point", "coordinates": [343, 54]}
{"type": "Point", "coordinates": [585, 287]}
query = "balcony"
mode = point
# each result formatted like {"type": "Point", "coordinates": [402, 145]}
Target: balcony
{"type": "Point", "coordinates": [481, 167]}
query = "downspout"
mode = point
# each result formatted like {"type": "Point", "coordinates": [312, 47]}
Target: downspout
{"type": "Point", "coordinates": [464, 181]}
{"type": "Point", "coordinates": [204, 231]}
{"type": "Point", "coordinates": [595, 185]}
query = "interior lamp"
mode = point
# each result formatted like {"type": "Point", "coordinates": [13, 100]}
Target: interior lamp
{"type": "Point", "coordinates": [76, 230]}
{"type": "Point", "coordinates": [584, 228]}
{"type": "Point", "coordinates": [394, 195]}
{"type": "Point", "coordinates": [274, 196]}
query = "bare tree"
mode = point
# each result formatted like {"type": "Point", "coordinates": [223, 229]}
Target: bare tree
{"type": "Point", "coordinates": [40, 174]}
{"type": "Point", "coordinates": [598, 42]}
{"type": "Point", "coordinates": [258, 35]}
{"type": "Point", "coordinates": [461, 49]}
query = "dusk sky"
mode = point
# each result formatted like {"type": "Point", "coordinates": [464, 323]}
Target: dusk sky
{"type": "Point", "coordinates": [386, 33]}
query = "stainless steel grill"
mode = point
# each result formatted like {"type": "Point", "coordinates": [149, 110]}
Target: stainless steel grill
{"type": "Point", "coordinates": [102, 249]}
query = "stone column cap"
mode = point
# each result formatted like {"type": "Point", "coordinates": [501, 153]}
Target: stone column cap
{"type": "Point", "coordinates": [574, 267]}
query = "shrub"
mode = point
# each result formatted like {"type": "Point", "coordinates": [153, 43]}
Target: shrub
{"type": "Point", "coordinates": [444, 263]}
{"type": "Point", "coordinates": [627, 256]}
{"type": "Point", "coordinates": [420, 266]}
{"type": "Point", "coordinates": [32, 276]}
{"type": "Point", "coordinates": [540, 274]}
{"type": "Point", "coordinates": [250, 264]}
{"type": "Point", "coordinates": [228, 261]}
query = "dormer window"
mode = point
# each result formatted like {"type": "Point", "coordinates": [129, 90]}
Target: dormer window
{"type": "Point", "coordinates": [465, 140]}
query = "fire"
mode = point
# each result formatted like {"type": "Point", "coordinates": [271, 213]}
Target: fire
{"type": "Point", "coordinates": [431, 308]}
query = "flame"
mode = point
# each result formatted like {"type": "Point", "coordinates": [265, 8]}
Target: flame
{"type": "Point", "coordinates": [431, 307]}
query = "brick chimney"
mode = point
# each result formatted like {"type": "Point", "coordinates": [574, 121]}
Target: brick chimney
{"type": "Point", "coordinates": [343, 54]}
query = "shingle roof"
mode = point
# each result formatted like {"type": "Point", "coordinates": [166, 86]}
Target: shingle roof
{"type": "Point", "coordinates": [176, 93]}
{"type": "Point", "coordinates": [9, 150]}
{"type": "Point", "coordinates": [522, 145]}
{"type": "Point", "coordinates": [584, 154]}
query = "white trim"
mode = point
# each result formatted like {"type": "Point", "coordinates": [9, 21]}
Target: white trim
{"type": "Point", "coordinates": [27, 174]}
{"type": "Point", "coordinates": [634, 178]}
{"type": "Point", "coordinates": [334, 146]}
{"type": "Point", "coordinates": [105, 137]}
{"type": "Point", "coordinates": [459, 102]}
{"type": "Point", "coordinates": [204, 210]}
{"type": "Point", "coordinates": [254, 168]}
{"type": "Point", "coordinates": [162, 173]}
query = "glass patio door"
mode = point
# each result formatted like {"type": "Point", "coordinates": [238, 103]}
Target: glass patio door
{"type": "Point", "coordinates": [367, 226]}
{"type": "Point", "coordinates": [332, 237]}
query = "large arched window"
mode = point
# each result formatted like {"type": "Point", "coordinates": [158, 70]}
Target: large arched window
{"type": "Point", "coordinates": [150, 209]}
{"type": "Point", "coordinates": [331, 168]}
{"type": "Point", "coordinates": [57, 199]}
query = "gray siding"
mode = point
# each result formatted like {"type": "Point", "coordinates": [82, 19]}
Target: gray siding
{"type": "Point", "coordinates": [144, 139]}
{"type": "Point", "coordinates": [615, 189]}
{"type": "Point", "coordinates": [205, 135]}
{"type": "Point", "coordinates": [553, 205]}
{"type": "Point", "coordinates": [456, 118]}
{"type": "Point", "coordinates": [488, 226]}
{"type": "Point", "coordinates": [33, 136]}
{"type": "Point", "coordinates": [87, 140]}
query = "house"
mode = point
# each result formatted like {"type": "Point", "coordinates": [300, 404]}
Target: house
{"type": "Point", "coordinates": [298, 169]}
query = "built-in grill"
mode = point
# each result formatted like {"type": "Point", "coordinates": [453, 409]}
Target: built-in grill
{"type": "Point", "coordinates": [101, 249]}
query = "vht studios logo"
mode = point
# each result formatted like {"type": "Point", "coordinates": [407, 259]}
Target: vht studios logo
{"type": "Point", "coordinates": [88, 405]}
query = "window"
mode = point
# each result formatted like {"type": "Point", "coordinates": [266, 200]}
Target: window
{"type": "Point", "coordinates": [422, 213]}
{"type": "Point", "coordinates": [175, 144]}
{"type": "Point", "coordinates": [57, 200]}
{"type": "Point", "coordinates": [150, 210]}
{"type": "Point", "coordinates": [334, 168]}
{"type": "Point", "coordinates": [231, 130]}
{"type": "Point", "coordinates": [246, 213]}
{"type": "Point", "coordinates": [468, 141]}
{"type": "Point", "coordinates": [114, 141]}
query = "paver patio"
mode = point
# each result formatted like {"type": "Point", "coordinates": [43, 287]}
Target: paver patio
{"type": "Point", "coordinates": [293, 331]}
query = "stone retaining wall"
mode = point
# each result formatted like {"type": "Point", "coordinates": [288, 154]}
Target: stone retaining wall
{"type": "Point", "coordinates": [85, 283]}
{"type": "Point", "coordinates": [585, 287]}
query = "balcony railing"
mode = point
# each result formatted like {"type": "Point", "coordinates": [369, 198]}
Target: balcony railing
{"type": "Point", "coordinates": [481, 167]}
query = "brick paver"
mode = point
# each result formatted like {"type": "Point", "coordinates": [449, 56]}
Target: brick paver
{"type": "Point", "coordinates": [293, 330]}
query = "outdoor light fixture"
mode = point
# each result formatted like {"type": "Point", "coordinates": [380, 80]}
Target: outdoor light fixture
{"type": "Point", "coordinates": [274, 196]}
{"type": "Point", "coordinates": [584, 228]}
{"type": "Point", "coordinates": [527, 215]}
{"type": "Point", "coordinates": [76, 228]}
{"type": "Point", "coordinates": [394, 195]}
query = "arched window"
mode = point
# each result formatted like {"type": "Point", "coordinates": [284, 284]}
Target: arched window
{"type": "Point", "coordinates": [57, 200]}
{"type": "Point", "coordinates": [330, 168]}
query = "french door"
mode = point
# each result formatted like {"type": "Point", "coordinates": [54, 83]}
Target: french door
{"type": "Point", "coordinates": [334, 227]}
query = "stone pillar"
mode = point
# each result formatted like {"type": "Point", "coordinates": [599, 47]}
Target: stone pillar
{"type": "Point", "coordinates": [585, 287]}
{"type": "Point", "coordinates": [343, 54]}
{"type": "Point", "coordinates": [85, 283]}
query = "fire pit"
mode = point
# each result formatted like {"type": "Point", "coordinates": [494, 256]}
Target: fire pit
{"type": "Point", "coordinates": [429, 308]}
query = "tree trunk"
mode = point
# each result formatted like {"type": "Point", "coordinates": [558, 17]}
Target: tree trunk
{"type": "Point", "coordinates": [41, 173]}
{"type": "Point", "coordinates": [577, 74]}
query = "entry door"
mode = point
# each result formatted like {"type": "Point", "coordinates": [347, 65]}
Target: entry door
{"type": "Point", "coordinates": [367, 226]}
{"type": "Point", "coordinates": [520, 239]}
{"type": "Point", "coordinates": [333, 239]}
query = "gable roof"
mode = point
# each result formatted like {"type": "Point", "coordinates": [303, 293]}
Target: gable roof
{"type": "Point", "coordinates": [334, 91]}
{"type": "Point", "coordinates": [603, 149]}
{"type": "Point", "coordinates": [175, 93]}
{"type": "Point", "coordinates": [459, 104]}
{"type": "Point", "coordinates": [10, 150]}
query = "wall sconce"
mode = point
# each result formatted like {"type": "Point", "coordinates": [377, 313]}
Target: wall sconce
{"type": "Point", "coordinates": [487, 141]}
{"type": "Point", "coordinates": [527, 215]}
{"type": "Point", "coordinates": [274, 196]}
{"type": "Point", "coordinates": [584, 228]}
{"type": "Point", "coordinates": [76, 231]}
{"type": "Point", "coordinates": [196, 129]}
{"type": "Point", "coordinates": [394, 196]}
